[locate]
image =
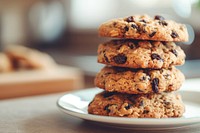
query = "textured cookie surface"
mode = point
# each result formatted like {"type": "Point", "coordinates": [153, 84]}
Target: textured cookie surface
{"type": "Point", "coordinates": [162, 105]}
{"type": "Point", "coordinates": [140, 54]}
{"type": "Point", "coordinates": [133, 81]}
{"type": "Point", "coordinates": [144, 27]}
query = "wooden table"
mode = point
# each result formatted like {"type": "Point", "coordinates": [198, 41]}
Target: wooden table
{"type": "Point", "coordinates": [39, 114]}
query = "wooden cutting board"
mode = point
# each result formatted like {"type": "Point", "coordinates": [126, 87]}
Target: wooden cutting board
{"type": "Point", "coordinates": [34, 82]}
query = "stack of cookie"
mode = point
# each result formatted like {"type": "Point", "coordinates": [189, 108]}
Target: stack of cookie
{"type": "Point", "coordinates": [140, 75]}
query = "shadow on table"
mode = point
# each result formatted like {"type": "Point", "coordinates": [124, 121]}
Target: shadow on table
{"type": "Point", "coordinates": [55, 122]}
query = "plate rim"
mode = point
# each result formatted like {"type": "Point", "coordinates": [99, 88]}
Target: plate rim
{"type": "Point", "coordinates": [127, 121]}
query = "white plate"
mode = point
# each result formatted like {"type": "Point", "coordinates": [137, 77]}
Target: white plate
{"type": "Point", "coordinates": [75, 104]}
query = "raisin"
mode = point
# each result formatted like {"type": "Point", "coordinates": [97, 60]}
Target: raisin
{"type": "Point", "coordinates": [108, 94]}
{"type": "Point", "coordinates": [134, 26]}
{"type": "Point", "coordinates": [174, 52]}
{"type": "Point", "coordinates": [152, 34]}
{"type": "Point", "coordinates": [106, 58]}
{"type": "Point", "coordinates": [126, 28]}
{"type": "Point", "coordinates": [174, 34]}
{"type": "Point", "coordinates": [107, 108]}
{"type": "Point", "coordinates": [154, 84]}
{"type": "Point", "coordinates": [145, 111]}
{"type": "Point", "coordinates": [128, 106]}
{"type": "Point", "coordinates": [130, 19]}
{"type": "Point", "coordinates": [156, 56]}
{"type": "Point", "coordinates": [120, 59]}
{"type": "Point", "coordinates": [158, 17]}
{"type": "Point", "coordinates": [163, 23]}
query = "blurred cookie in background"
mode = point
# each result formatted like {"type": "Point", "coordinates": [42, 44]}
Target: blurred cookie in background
{"type": "Point", "coordinates": [22, 58]}
{"type": "Point", "coordinates": [27, 58]}
{"type": "Point", "coordinates": [5, 63]}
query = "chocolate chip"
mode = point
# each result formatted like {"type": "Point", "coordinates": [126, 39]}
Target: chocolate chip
{"type": "Point", "coordinates": [174, 34]}
{"type": "Point", "coordinates": [106, 58]}
{"type": "Point", "coordinates": [156, 56]}
{"type": "Point", "coordinates": [107, 108]}
{"type": "Point", "coordinates": [134, 26]}
{"type": "Point", "coordinates": [126, 28]}
{"type": "Point", "coordinates": [152, 34]}
{"type": "Point", "coordinates": [130, 19]}
{"type": "Point", "coordinates": [158, 17]}
{"type": "Point", "coordinates": [128, 106]}
{"type": "Point", "coordinates": [145, 111]}
{"type": "Point", "coordinates": [154, 84]}
{"type": "Point", "coordinates": [174, 52]}
{"type": "Point", "coordinates": [120, 59]}
{"type": "Point", "coordinates": [108, 94]}
{"type": "Point", "coordinates": [163, 23]}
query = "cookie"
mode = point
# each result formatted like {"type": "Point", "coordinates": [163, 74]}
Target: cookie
{"type": "Point", "coordinates": [5, 63]}
{"type": "Point", "coordinates": [163, 105]}
{"type": "Point", "coordinates": [26, 58]}
{"type": "Point", "coordinates": [144, 27]}
{"type": "Point", "coordinates": [139, 81]}
{"type": "Point", "coordinates": [140, 54]}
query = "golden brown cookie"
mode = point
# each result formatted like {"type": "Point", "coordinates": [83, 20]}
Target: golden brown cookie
{"type": "Point", "coordinates": [139, 81]}
{"type": "Point", "coordinates": [144, 27]}
{"type": "Point", "coordinates": [162, 105]}
{"type": "Point", "coordinates": [140, 54]}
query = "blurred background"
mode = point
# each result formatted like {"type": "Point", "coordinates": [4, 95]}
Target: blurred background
{"type": "Point", "coordinates": [67, 29]}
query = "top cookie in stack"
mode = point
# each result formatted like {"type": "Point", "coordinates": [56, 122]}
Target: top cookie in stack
{"type": "Point", "coordinates": [144, 28]}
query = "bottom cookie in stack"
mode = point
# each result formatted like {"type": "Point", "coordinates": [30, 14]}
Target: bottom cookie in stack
{"type": "Point", "coordinates": [161, 105]}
